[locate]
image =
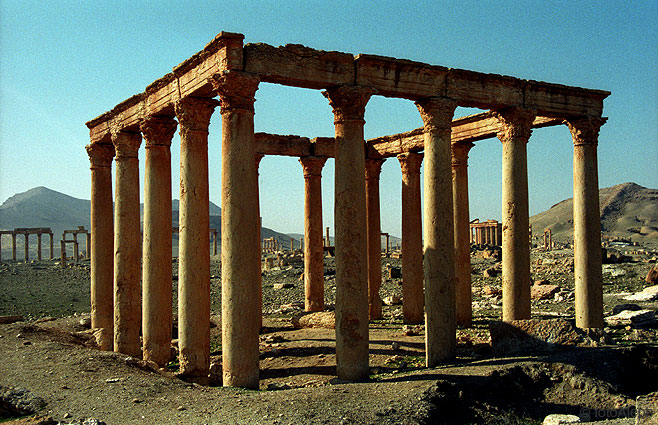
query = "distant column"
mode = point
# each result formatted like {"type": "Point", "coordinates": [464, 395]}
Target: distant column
{"type": "Point", "coordinates": [51, 234]}
{"type": "Point", "coordinates": [156, 303]}
{"type": "Point", "coordinates": [240, 235]}
{"type": "Point", "coordinates": [193, 115]}
{"type": "Point", "coordinates": [26, 255]}
{"type": "Point", "coordinates": [439, 251]}
{"type": "Point", "coordinates": [313, 252]}
{"type": "Point", "coordinates": [587, 222]}
{"type": "Point", "coordinates": [259, 157]}
{"type": "Point", "coordinates": [13, 246]}
{"type": "Point", "coordinates": [516, 127]}
{"type": "Point", "coordinates": [374, 237]}
{"type": "Point", "coordinates": [462, 228]}
{"type": "Point", "coordinates": [127, 253]}
{"type": "Point", "coordinates": [88, 245]}
{"type": "Point", "coordinates": [39, 246]}
{"type": "Point", "coordinates": [412, 239]}
{"type": "Point", "coordinates": [348, 104]}
{"type": "Point", "coordinates": [102, 245]}
{"type": "Point", "coordinates": [76, 248]}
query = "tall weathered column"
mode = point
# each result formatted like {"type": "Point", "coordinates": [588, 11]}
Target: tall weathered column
{"type": "Point", "coordinates": [240, 234]}
{"type": "Point", "coordinates": [193, 115]}
{"type": "Point", "coordinates": [439, 250]}
{"type": "Point", "coordinates": [26, 247]}
{"type": "Point", "coordinates": [349, 104]}
{"type": "Point", "coordinates": [462, 230]}
{"type": "Point", "coordinates": [156, 272]}
{"type": "Point", "coordinates": [516, 127]}
{"type": "Point", "coordinates": [587, 222]}
{"type": "Point", "coordinates": [313, 252]}
{"type": "Point", "coordinates": [102, 245]}
{"type": "Point", "coordinates": [39, 246]}
{"type": "Point", "coordinates": [412, 239]}
{"type": "Point", "coordinates": [374, 237]}
{"type": "Point", "coordinates": [13, 246]}
{"type": "Point", "coordinates": [51, 235]}
{"type": "Point", "coordinates": [127, 253]}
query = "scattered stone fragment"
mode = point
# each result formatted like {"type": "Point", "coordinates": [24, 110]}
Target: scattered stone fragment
{"type": "Point", "coordinates": [411, 330]}
{"type": "Point", "coordinates": [320, 319]}
{"type": "Point", "coordinates": [543, 292]}
{"type": "Point", "coordinates": [639, 318]}
{"type": "Point", "coordinates": [623, 307]}
{"type": "Point", "coordinates": [491, 290]}
{"type": "Point", "coordinates": [652, 276]}
{"type": "Point", "coordinates": [112, 380]}
{"type": "Point", "coordinates": [392, 300]}
{"type": "Point", "coordinates": [286, 285]}
{"type": "Point", "coordinates": [395, 346]}
{"type": "Point", "coordinates": [490, 272]}
{"type": "Point", "coordinates": [557, 419]}
{"type": "Point", "coordinates": [85, 322]}
{"type": "Point", "coordinates": [34, 420]}
{"type": "Point", "coordinates": [276, 386]}
{"type": "Point", "coordinates": [642, 296]}
{"type": "Point", "coordinates": [394, 273]}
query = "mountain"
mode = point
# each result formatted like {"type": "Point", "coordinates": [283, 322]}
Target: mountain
{"type": "Point", "coordinates": [627, 210]}
{"type": "Point", "coordinates": [43, 207]}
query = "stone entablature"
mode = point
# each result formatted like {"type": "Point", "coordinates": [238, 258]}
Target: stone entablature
{"type": "Point", "coordinates": [301, 66]}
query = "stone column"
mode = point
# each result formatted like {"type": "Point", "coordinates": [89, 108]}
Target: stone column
{"type": "Point", "coordinates": [374, 237]}
{"type": "Point", "coordinates": [193, 115]}
{"type": "Point", "coordinates": [240, 234]}
{"type": "Point", "coordinates": [328, 240]}
{"type": "Point", "coordinates": [412, 239]}
{"type": "Point", "coordinates": [462, 229]}
{"type": "Point", "coordinates": [87, 245]}
{"type": "Point", "coordinates": [587, 222]}
{"type": "Point", "coordinates": [13, 246]}
{"type": "Point", "coordinates": [157, 300]}
{"type": "Point", "coordinates": [313, 252]}
{"type": "Point", "coordinates": [26, 248]}
{"type": "Point", "coordinates": [127, 254]}
{"type": "Point", "coordinates": [76, 248]}
{"type": "Point", "coordinates": [62, 251]}
{"type": "Point", "coordinates": [439, 250]}
{"type": "Point", "coordinates": [39, 246]}
{"type": "Point", "coordinates": [101, 250]}
{"type": "Point", "coordinates": [515, 130]}
{"type": "Point", "coordinates": [348, 104]}
{"type": "Point", "coordinates": [51, 235]}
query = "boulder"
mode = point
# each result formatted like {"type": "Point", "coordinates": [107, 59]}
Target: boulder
{"type": "Point", "coordinates": [490, 272]}
{"type": "Point", "coordinates": [278, 286]}
{"type": "Point", "coordinates": [639, 318]}
{"type": "Point", "coordinates": [535, 336]}
{"type": "Point", "coordinates": [652, 276]}
{"type": "Point", "coordinates": [491, 290]}
{"type": "Point", "coordinates": [558, 419]}
{"type": "Point", "coordinates": [320, 319]}
{"type": "Point", "coordinates": [543, 292]}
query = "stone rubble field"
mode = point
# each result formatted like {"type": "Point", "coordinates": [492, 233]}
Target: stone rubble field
{"type": "Point", "coordinates": [50, 368]}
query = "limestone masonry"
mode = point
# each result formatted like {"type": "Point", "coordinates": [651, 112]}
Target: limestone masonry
{"type": "Point", "coordinates": [225, 68]}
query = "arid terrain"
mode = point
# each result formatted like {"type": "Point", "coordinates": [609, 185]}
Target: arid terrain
{"type": "Point", "coordinates": [49, 365]}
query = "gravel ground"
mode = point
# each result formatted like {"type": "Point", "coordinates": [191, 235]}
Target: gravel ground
{"type": "Point", "coordinates": [54, 361]}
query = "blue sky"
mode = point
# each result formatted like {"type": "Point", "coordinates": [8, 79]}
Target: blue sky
{"type": "Point", "coordinates": [65, 62]}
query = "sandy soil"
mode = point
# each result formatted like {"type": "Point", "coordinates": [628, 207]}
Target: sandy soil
{"type": "Point", "coordinates": [62, 375]}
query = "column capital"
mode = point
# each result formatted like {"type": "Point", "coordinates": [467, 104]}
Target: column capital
{"type": "Point", "coordinates": [100, 155]}
{"type": "Point", "coordinates": [373, 168]}
{"type": "Point", "coordinates": [348, 102]}
{"type": "Point", "coordinates": [157, 130]}
{"type": "Point", "coordinates": [460, 153]}
{"type": "Point", "coordinates": [236, 90]}
{"type": "Point", "coordinates": [194, 113]}
{"type": "Point", "coordinates": [126, 143]}
{"type": "Point", "coordinates": [437, 113]}
{"type": "Point", "coordinates": [585, 130]}
{"type": "Point", "coordinates": [515, 123]}
{"type": "Point", "coordinates": [258, 158]}
{"type": "Point", "coordinates": [410, 162]}
{"type": "Point", "coordinates": [312, 165]}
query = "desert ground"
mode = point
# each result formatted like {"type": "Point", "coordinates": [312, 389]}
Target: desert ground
{"type": "Point", "coordinates": [49, 366]}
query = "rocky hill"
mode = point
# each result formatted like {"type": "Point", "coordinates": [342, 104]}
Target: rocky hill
{"type": "Point", "coordinates": [627, 210]}
{"type": "Point", "coordinates": [43, 207]}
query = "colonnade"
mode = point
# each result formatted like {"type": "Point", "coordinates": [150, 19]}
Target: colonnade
{"type": "Point", "coordinates": [26, 232]}
{"type": "Point", "coordinates": [488, 232]}
{"type": "Point", "coordinates": [445, 274]}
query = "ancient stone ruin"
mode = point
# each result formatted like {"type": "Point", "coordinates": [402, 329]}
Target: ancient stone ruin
{"type": "Point", "coordinates": [439, 260]}
{"type": "Point", "coordinates": [26, 232]}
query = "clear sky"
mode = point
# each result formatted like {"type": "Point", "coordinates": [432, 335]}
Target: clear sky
{"type": "Point", "coordinates": [64, 62]}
